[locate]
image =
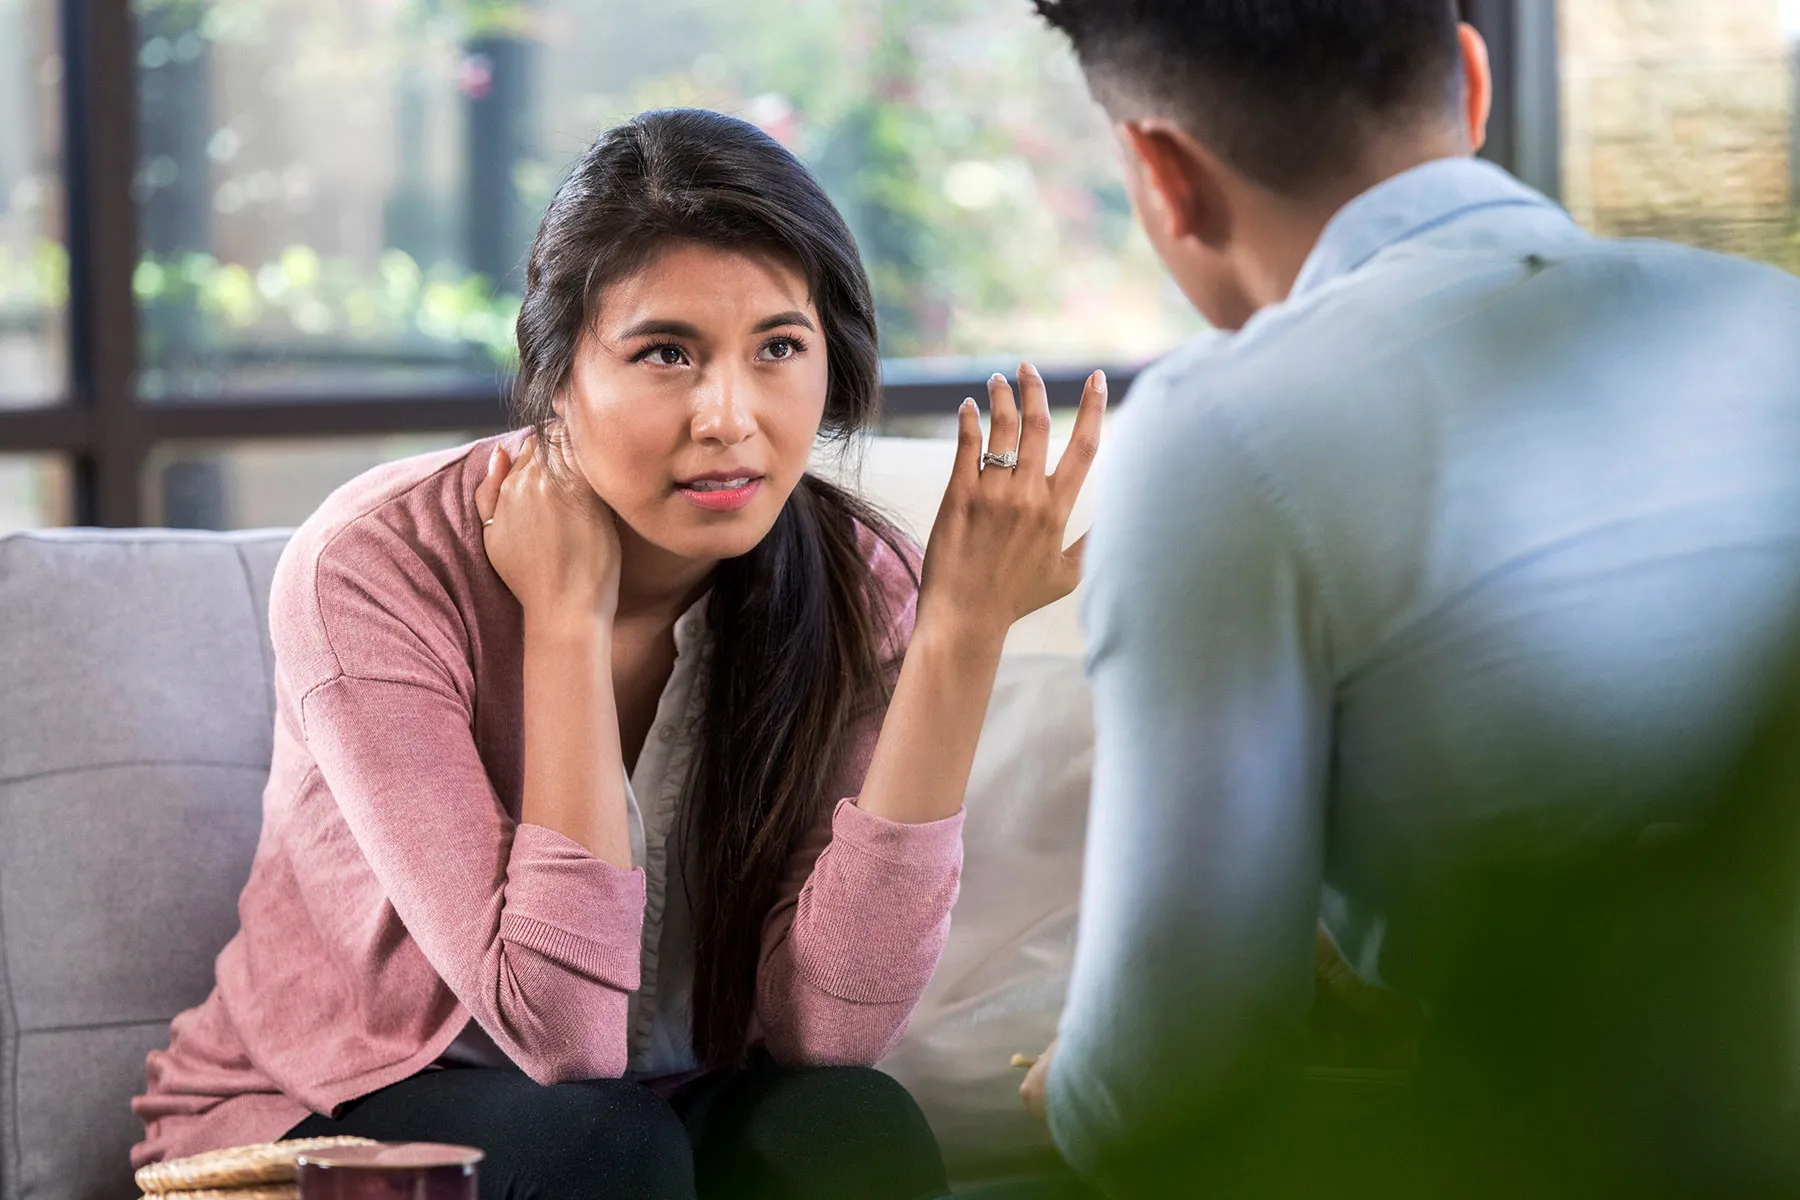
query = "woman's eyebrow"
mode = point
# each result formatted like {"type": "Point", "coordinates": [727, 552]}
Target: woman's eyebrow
{"type": "Point", "coordinates": [791, 317]}
{"type": "Point", "coordinates": [660, 326]}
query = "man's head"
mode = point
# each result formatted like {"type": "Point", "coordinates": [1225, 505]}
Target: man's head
{"type": "Point", "coordinates": [1245, 122]}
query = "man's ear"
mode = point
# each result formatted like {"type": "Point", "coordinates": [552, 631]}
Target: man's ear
{"type": "Point", "coordinates": [1169, 171]}
{"type": "Point", "coordinates": [1478, 84]}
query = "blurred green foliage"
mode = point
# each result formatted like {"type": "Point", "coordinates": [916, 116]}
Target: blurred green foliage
{"type": "Point", "coordinates": [35, 281]}
{"type": "Point", "coordinates": [325, 303]}
{"type": "Point", "coordinates": [956, 137]}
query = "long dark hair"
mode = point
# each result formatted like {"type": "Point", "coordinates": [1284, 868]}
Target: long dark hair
{"type": "Point", "coordinates": [800, 627]}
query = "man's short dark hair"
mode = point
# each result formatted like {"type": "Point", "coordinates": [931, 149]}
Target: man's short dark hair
{"type": "Point", "coordinates": [1287, 92]}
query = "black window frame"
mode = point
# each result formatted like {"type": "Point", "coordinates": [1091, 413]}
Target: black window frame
{"type": "Point", "coordinates": [107, 431]}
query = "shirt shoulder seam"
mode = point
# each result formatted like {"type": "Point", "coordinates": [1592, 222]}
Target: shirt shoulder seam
{"type": "Point", "coordinates": [339, 675]}
{"type": "Point", "coordinates": [343, 528]}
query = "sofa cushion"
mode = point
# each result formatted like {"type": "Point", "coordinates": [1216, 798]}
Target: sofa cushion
{"type": "Point", "coordinates": [1000, 985]}
{"type": "Point", "coordinates": [134, 742]}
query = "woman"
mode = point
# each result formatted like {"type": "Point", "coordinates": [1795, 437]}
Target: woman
{"type": "Point", "coordinates": [608, 829]}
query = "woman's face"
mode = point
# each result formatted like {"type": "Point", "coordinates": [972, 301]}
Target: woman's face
{"type": "Point", "coordinates": [696, 395]}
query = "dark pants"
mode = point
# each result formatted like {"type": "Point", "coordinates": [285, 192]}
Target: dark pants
{"type": "Point", "coordinates": [763, 1133]}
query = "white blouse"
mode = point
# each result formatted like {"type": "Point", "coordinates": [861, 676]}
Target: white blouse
{"type": "Point", "coordinates": [659, 1020]}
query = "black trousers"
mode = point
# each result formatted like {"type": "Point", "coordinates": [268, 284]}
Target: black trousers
{"type": "Point", "coordinates": [762, 1133]}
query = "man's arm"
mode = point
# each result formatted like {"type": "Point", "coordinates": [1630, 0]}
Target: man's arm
{"type": "Point", "coordinates": [1194, 966]}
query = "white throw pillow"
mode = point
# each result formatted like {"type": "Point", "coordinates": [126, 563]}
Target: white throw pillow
{"type": "Point", "coordinates": [1000, 985]}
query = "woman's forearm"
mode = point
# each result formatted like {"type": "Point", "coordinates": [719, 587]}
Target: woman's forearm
{"type": "Point", "coordinates": [574, 773]}
{"type": "Point", "coordinates": [922, 759]}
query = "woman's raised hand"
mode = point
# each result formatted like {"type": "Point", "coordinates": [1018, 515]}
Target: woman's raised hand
{"type": "Point", "coordinates": [551, 540]}
{"type": "Point", "coordinates": [996, 550]}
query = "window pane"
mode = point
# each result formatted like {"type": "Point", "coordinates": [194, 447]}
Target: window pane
{"type": "Point", "coordinates": [340, 193]}
{"type": "Point", "coordinates": [957, 137]}
{"type": "Point", "coordinates": [34, 268]}
{"type": "Point", "coordinates": [1679, 121]}
{"type": "Point", "coordinates": [258, 484]}
{"type": "Point", "coordinates": [34, 492]}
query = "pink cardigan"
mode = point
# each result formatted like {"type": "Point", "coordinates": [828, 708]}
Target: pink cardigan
{"type": "Point", "coordinates": [394, 894]}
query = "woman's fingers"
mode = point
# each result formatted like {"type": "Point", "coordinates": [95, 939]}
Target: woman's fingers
{"type": "Point", "coordinates": [1003, 416]}
{"type": "Point", "coordinates": [996, 551]}
{"type": "Point", "coordinates": [1034, 420]}
{"type": "Point", "coordinates": [524, 471]}
{"type": "Point", "coordinates": [526, 461]}
{"type": "Point", "coordinates": [1084, 444]}
{"type": "Point", "coordinates": [487, 492]}
{"type": "Point", "coordinates": [968, 443]}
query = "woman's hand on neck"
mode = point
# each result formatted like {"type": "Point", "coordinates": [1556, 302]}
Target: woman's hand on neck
{"type": "Point", "coordinates": [559, 554]}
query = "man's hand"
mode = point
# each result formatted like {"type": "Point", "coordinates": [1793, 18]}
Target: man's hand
{"type": "Point", "coordinates": [1034, 1091]}
{"type": "Point", "coordinates": [1385, 1012]}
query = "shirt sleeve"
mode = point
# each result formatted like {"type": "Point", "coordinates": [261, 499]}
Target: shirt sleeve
{"type": "Point", "coordinates": [864, 910]}
{"type": "Point", "coordinates": [538, 939]}
{"type": "Point", "coordinates": [1212, 693]}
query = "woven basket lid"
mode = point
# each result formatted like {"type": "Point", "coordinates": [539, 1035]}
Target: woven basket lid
{"type": "Point", "coordinates": [238, 1167]}
{"type": "Point", "coordinates": [265, 1191]}
{"type": "Point", "coordinates": [394, 1156]}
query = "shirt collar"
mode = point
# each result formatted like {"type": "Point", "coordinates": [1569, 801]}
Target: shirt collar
{"type": "Point", "coordinates": [1405, 206]}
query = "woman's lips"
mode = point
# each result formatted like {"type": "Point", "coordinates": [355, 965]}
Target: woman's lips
{"type": "Point", "coordinates": [721, 495]}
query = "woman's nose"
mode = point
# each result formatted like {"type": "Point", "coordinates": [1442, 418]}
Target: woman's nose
{"type": "Point", "coordinates": [722, 411]}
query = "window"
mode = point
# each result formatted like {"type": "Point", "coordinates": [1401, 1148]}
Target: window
{"type": "Point", "coordinates": [338, 195]}
{"type": "Point", "coordinates": [34, 277]}
{"type": "Point", "coordinates": [291, 245]}
{"type": "Point", "coordinates": [303, 175]}
{"type": "Point", "coordinates": [956, 136]}
{"type": "Point", "coordinates": [1679, 121]}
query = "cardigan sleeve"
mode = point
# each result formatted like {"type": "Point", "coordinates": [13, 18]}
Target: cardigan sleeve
{"type": "Point", "coordinates": [537, 939]}
{"type": "Point", "coordinates": [864, 911]}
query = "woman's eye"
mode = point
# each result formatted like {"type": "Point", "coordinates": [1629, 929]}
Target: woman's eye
{"type": "Point", "coordinates": [782, 348]}
{"type": "Point", "coordinates": [665, 356]}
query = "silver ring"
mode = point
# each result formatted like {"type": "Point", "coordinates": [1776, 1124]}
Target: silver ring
{"type": "Point", "coordinates": [487, 522]}
{"type": "Point", "coordinates": [1009, 460]}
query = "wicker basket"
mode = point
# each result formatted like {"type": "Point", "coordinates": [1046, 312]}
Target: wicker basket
{"type": "Point", "coordinates": [263, 1191]}
{"type": "Point", "coordinates": [265, 1172]}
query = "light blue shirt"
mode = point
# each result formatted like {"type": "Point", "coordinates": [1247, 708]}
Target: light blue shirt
{"type": "Point", "coordinates": [1485, 536]}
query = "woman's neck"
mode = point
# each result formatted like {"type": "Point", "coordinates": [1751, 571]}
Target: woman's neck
{"type": "Point", "coordinates": [655, 584]}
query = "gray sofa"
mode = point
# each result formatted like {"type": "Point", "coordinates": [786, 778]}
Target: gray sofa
{"type": "Point", "coordinates": [134, 741]}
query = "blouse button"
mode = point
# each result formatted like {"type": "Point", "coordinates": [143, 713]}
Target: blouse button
{"type": "Point", "coordinates": [666, 733]}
